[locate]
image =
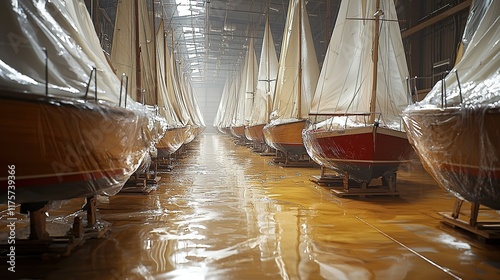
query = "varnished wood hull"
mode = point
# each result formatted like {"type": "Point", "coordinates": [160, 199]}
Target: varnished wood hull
{"type": "Point", "coordinates": [286, 137]}
{"type": "Point", "coordinates": [66, 149]}
{"type": "Point", "coordinates": [255, 133]}
{"type": "Point", "coordinates": [460, 148]}
{"type": "Point", "coordinates": [238, 131]}
{"type": "Point", "coordinates": [224, 130]}
{"type": "Point", "coordinates": [366, 153]}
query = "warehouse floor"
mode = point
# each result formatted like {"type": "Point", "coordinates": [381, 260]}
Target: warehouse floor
{"type": "Point", "coordinates": [227, 213]}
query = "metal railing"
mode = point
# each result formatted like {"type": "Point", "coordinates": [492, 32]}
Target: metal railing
{"type": "Point", "coordinates": [121, 90]}
{"type": "Point", "coordinates": [93, 71]}
{"type": "Point", "coordinates": [411, 87]}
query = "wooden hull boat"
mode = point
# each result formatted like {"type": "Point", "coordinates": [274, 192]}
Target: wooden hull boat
{"type": "Point", "coordinates": [255, 133]}
{"type": "Point", "coordinates": [238, 131]}
{"type": "Point", "coordinates": [224, 130]}
{"type": "Point", "coordinates": [171, 141]}
{"type": "Point", "coordinates": [64, 148]}
{"type": "Point", "coordinates": [363, 135]}
{"type": "Point", "coordinates": [455, 128]}
{"type": "Point", "coordinates": [366, 153]}
{"type": "Point", "coordinates": [286, 137]}
{"type": "Point", "coordinates": [460, 148]}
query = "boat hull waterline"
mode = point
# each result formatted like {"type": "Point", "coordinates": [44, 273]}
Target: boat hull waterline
{"type": "Point", "coordinates": [366, 153]}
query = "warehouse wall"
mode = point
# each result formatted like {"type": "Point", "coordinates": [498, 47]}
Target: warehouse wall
{"type": "Point", "coordinates": [433, 49]}
{"type": "Point", "coordinates": [208, 97]}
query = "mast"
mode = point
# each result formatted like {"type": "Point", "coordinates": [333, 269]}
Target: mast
{"type": "Point", "coordinates": [164, 56]}
{"type": "Point", "coordinates": [373, 99]}
{"type": "Point", "coordinates": [250, 76]}
{"type": "Point", "coordinates": [137, 54]}
{"type": "Point", "coordinates": [299, 97]}
{"type": "Point", "coordinates": [155, 54]}
{"type": "Point", "coordinates": [268, 88]}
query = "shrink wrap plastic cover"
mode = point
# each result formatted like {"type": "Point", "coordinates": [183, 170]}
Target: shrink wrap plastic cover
{"type": "Point", "coordinates": [63, 138]}
{"type": "Point", "coordinates": [455, 129]}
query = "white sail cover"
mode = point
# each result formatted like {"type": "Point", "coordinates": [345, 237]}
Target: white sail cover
{"type": "Point", "coordinates": [297, 56]}
{"type": "Point", "coordinates": [65, 30]}
{"type": "Point", "coordinates": [230, 109]}
{"type": "Point", "coordinates": [266, 83]}
{"type": "Point", "coordinates": [250, 81]}
{"type": "Point", "coordinates": [191, 102]}
{"type": "Point", "coordinates": [218, 119]}
{"type": "Point", "coordinates": [345, 82]}
{"type": "Point", "coordinates": [165, 105]}
{"type": "Point", "coordinates": [239, 113]}
{"type": "Point", "coordinates": [123, 52]}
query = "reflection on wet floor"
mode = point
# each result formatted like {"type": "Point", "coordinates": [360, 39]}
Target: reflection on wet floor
{"type": "Point", "coordinates": [226, 213]}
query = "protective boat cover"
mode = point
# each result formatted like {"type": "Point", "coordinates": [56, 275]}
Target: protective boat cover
{"type": "Point", "coordinates": [72, 131]}
{"type": "Point", "coordinates": [455, 128]}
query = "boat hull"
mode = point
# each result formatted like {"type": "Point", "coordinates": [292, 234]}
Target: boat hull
{"type": "Point", "coordinates": [365, 153]}
{"type": "Point", "coordinates": [286, 137]}
{"type": "Point", "coordinates": [238, 131]}
{"type": "Point", "coordinates": [63, 149]}
{"type": "Point", "coordinates": [460, 148]}
{"type": "Point", "coordinates": [255, 133]}
{"type": "Point", "coordinates": [171, 141]}
{"type": "Point", "coordinates": [224, 130]}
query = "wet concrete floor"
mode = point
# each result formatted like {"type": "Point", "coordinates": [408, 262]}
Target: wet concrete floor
{"type": "Point", "coordinates": [227, 213]}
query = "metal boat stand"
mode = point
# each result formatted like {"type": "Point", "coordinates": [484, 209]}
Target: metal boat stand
{"type": "Point", "coordinates": [484, 230]}
{"type": "Point", "coordinates": [342, 186]}
{"type": "Point", "coordinates": [40, 243]}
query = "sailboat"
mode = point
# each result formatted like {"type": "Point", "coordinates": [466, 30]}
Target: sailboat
{"type": "Point", "coordinates": [176, 133]}
{"type": "Point", "coordinates": [266, 83]}
{"type": "Point", "coordinates": [221, 109]}
{"type": "Point", "coordinates": [69, 128]}
{"type": "Point", "coordinates": [295, 84]}
{"type": "Point", "coordinates": [455, 128]}
{"type": "Point", "coordinates": [245, 93]}
{"type": "Point", "coordinates": [227, 105]}
{"type": "Point", "coordinates": [182, 97]}
{"type": "Point", "coordinates": [192, 105]}
{"type": "Point", "coordinates": [361, 92]}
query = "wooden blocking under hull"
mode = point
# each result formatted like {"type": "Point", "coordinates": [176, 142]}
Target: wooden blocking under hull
{"type": "Point", "coordinates": [299, 163]}
{"type": "Point", "coordinates": [141, 183]}
{"type": "Point", "coordinates": [164, 165]}
{"type": "Point", "coordinates": [41, 244]}
{"type": "Point", "coordinates": [141, 186]}
{"type": "Point", "coordinates": [343, 186]}
{"type": "Point", "coordinates": [268, 151]}
{"type": "Point", "coordinates": [484, 230]}
{"type": "Point", "coordinates": [293, 160]}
